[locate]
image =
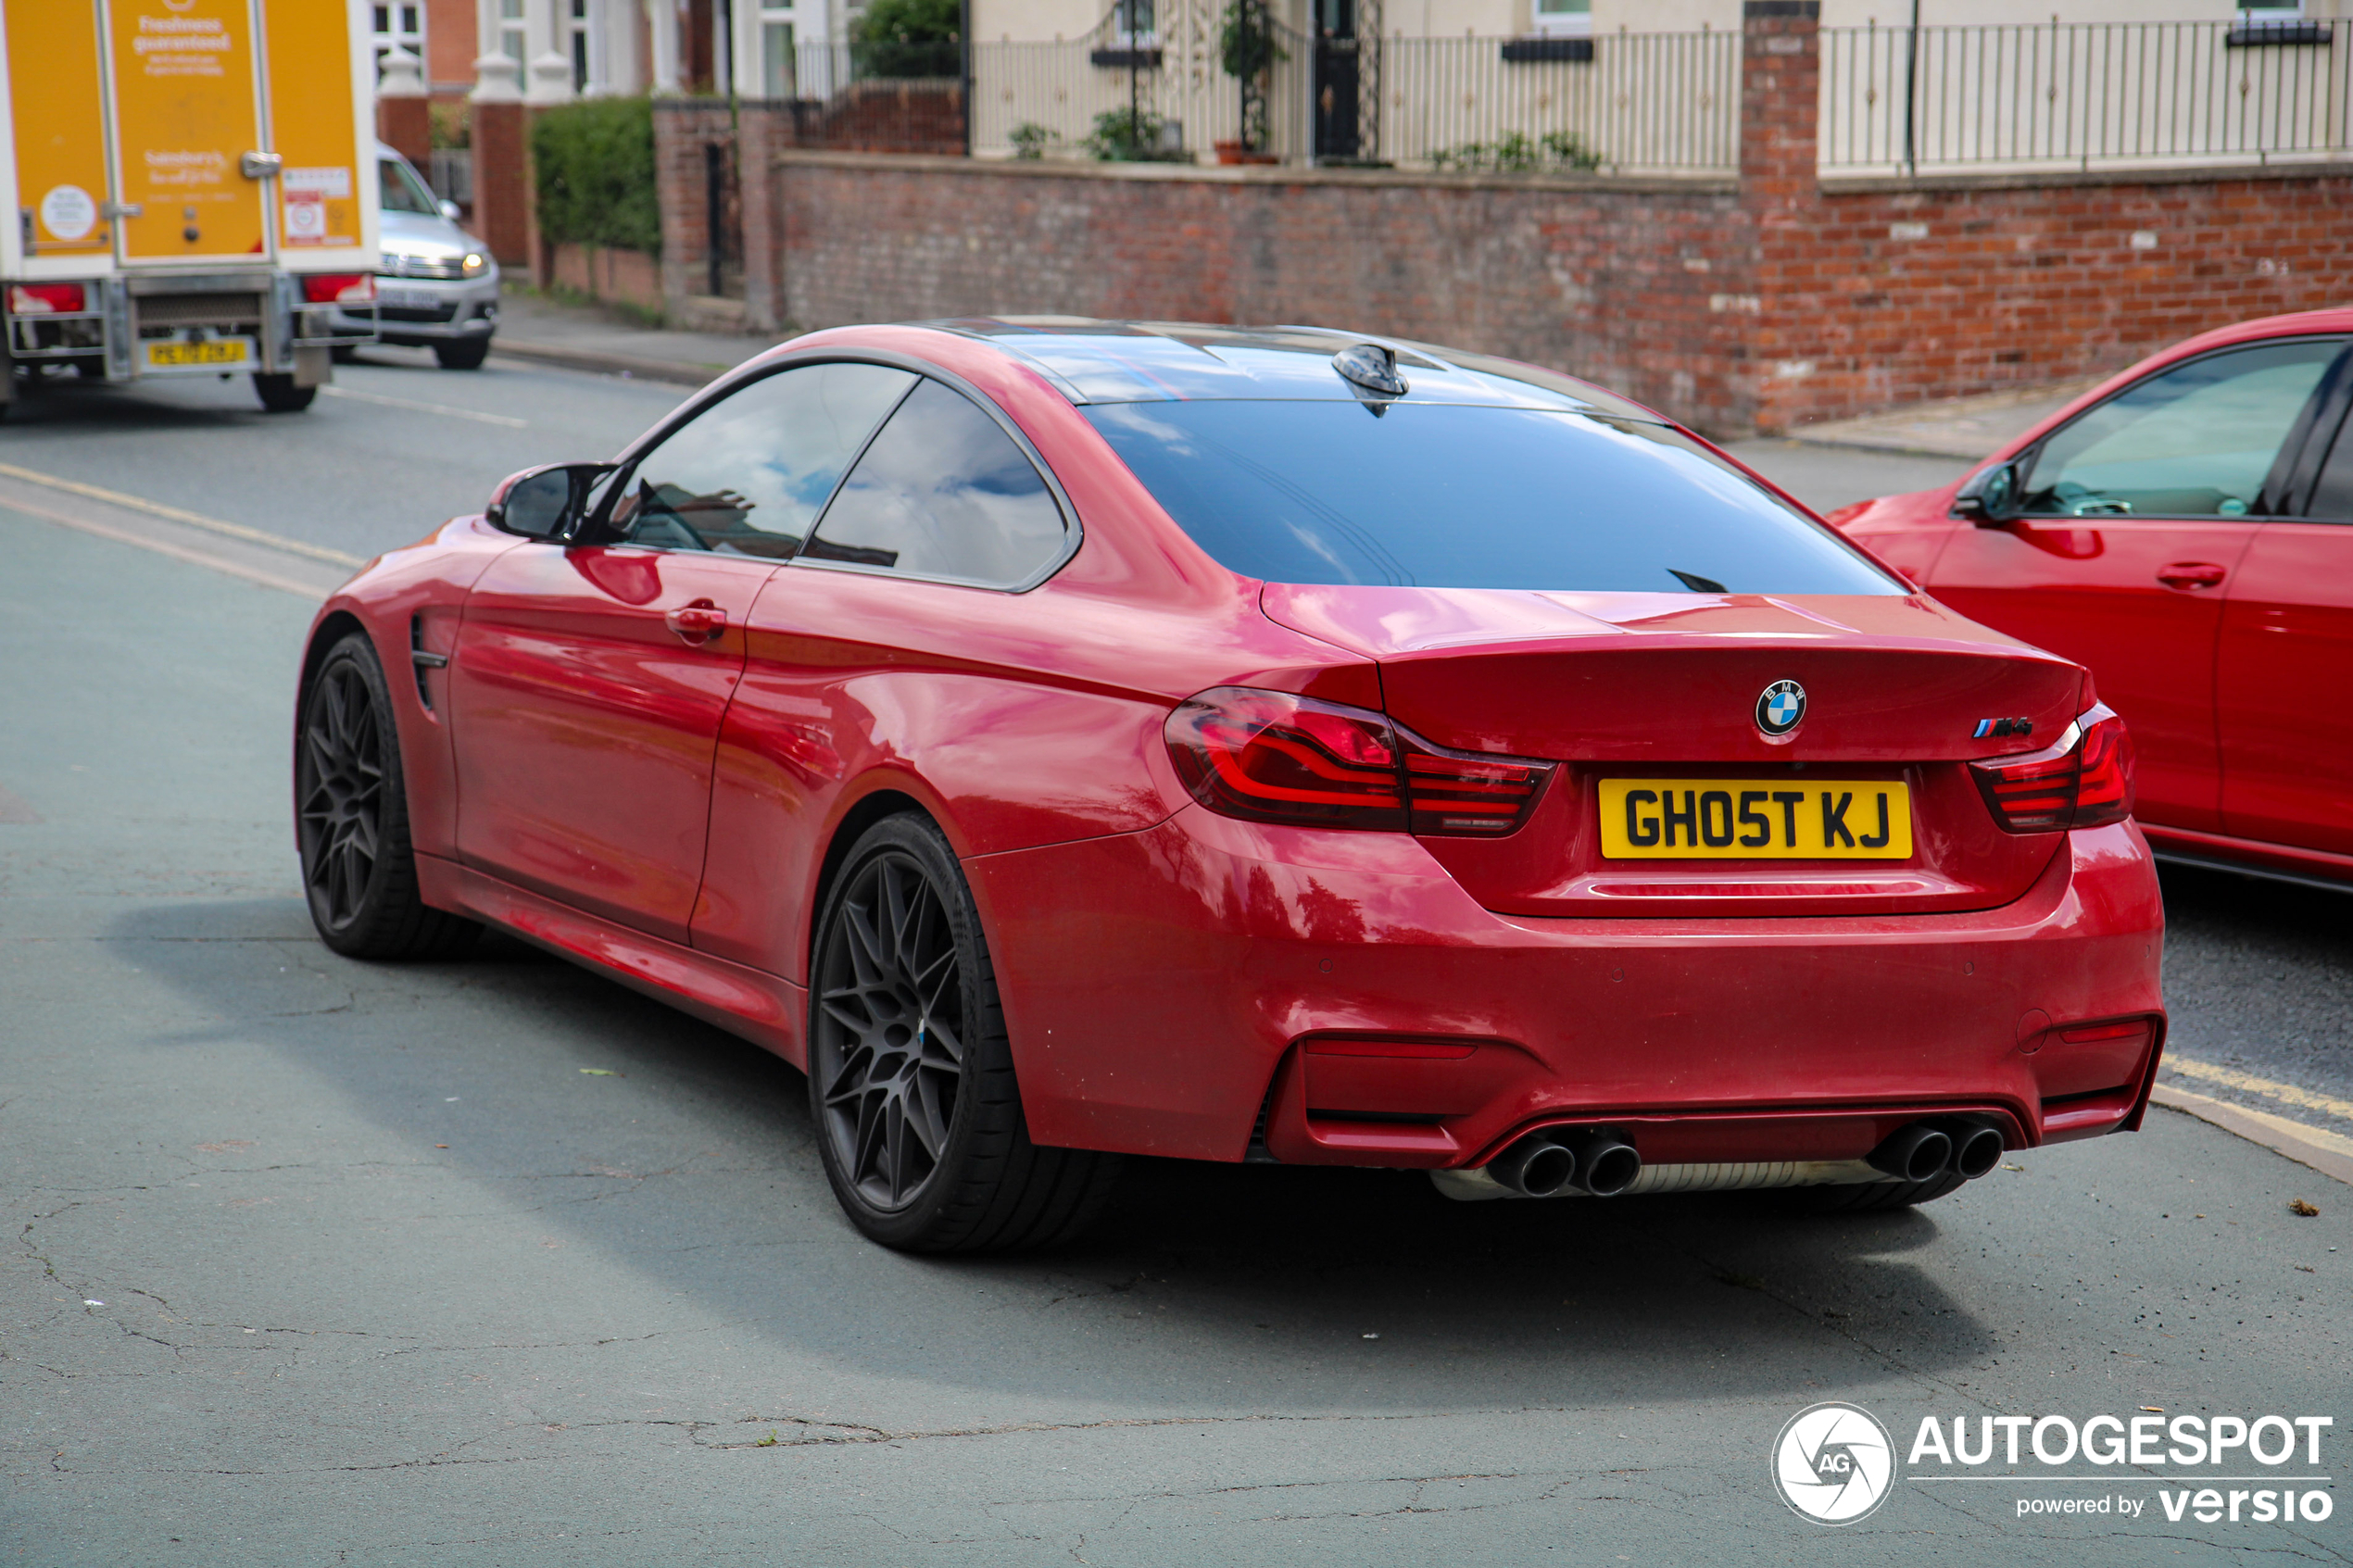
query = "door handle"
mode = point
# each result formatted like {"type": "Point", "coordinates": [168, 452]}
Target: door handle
{"type": "Point", "coordinates": [2190, 574]}
{"type": "Point", "coordinates": [260, 166]}
{"type": "Point", "coordinates": [699, 622]}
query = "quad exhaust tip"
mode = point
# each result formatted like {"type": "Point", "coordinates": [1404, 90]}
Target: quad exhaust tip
{"type": "Point", "coordinates": [1537, 1166]}
{"type": "Point", "coordinates": [1548, 1164]}
{"type": "Point", "coordinates": [1977, 1147]}
{"type": "Point", "coordinates": [1922, 1151]}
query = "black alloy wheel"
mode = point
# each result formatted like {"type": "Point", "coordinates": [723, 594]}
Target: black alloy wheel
{"type": "Point", "coordinates": [910, 1073]}
{"type": "Point", "coordinates": [351, 818]}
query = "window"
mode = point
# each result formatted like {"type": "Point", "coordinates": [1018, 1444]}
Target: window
{"type": "Point", "coordinates": [750, 473]}
{"type": "Point", "coordinates": [2196, 441]}
{"type": "Point", "coordinates": [578, 28]}
{"type": "Point", "coordinates": [2333, 494]}
{"type": "Point", "coordinates": [778, 72]}
{"type": "Point", "coordinates": [1564, 18]}
{"type": "Point", "coordinates": [1452, 496]}
{"type": "Point", "coordinates": [944, 492]}
{"type": "Point", "coordinates": [511, 31]}
{"type": "Point", "coordinates": [1133, 22]}
{"type": "Point", "coordinates": [397, 26]}
{"type": "Point", "coordinates": [401, 191]}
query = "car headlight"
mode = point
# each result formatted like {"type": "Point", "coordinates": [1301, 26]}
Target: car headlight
{"type": "Point", "coordinates": [476, 264]}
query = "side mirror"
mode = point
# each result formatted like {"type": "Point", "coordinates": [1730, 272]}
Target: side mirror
{"type": "Point", "coordinates": [1990, 498]}
{"type": "Point", "coordinates": [451, 210]}
{"type": "Point", "coordinates": [544, 502]}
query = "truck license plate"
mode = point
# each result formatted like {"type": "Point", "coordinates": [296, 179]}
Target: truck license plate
{"type": "Point", "coordinates": [213, 351]}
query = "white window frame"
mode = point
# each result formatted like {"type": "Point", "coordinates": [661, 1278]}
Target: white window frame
{"type": "Point", "coordinates": [386, 40]}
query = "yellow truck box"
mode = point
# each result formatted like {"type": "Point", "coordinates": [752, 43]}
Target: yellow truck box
{"type": "Point", "coordinates": [193, 189]}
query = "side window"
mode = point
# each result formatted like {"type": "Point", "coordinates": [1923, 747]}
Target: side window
{"type": "Point", "coordinates": [943, 492]}
{"type": "Point", "coordinates": [2332, 496]}
{"type": "Point", "coordinates": [2197, 440]}
{"type": "Point", "coordinates": [750, 474]}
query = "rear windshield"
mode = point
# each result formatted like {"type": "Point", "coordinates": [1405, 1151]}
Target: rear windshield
{"type": "Point", "coordinates": [1448, 497]}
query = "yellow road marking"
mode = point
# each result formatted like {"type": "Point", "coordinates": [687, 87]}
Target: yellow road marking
{"type": "Point", "coordinates": [2286, 1094]}
{"type": "Point", "coordinates": [193, 519]}
{"type": "Point", "coordinates": [164, 547]}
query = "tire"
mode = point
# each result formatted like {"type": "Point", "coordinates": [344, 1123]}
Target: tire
{"type": "Point", "coordinates": [1877, 1197]}
{"type": "Point", "coordinates": [351, 819]}
{"type": "Point", "coordinates": [467, 355]}
{"type": "Point", "coordinates": [280, 396]}
{"type": "Point", "coordinates": [921, 1127]}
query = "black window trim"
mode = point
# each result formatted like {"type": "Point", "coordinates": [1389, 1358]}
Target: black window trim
{"type": "Point", "coordinates": [625, 464]}
{"type": "Point", "coordinates": [2284, 463]}
{"type": "Point", "coordinates": [2324, 429]}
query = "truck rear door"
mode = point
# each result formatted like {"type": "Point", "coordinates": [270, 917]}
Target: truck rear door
{"type": "Point", "coordinates": [188, 101]}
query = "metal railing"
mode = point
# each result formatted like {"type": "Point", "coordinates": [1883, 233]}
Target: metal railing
{"type": "Point", "coordinates": [2090, 94]}
{"type": "Point", "coordinates": [860, 97]}
{"type": "Point", "coordinates": [1662, 103]}
{"type": "Point", "coordinates": [1633, 104]}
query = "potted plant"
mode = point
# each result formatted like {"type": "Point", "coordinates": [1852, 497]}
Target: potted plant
{"type": "Point", "coordinates": [1250, 51]}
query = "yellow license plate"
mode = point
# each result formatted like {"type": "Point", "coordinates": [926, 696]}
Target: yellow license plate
{"type": "Point", "coordinates": [1755, 820]}
{"type": "Point", "coordinates": [215, 351]}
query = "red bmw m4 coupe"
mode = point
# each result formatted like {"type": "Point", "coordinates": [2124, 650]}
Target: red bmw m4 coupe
{"type": "Point", "coordinates": [1068, 739]}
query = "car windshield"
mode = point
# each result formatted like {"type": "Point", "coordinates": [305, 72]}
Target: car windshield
{"type": "Point", "coordinates": [1452, 496]}
{"type": "Point", "coordinates": [403, 192]}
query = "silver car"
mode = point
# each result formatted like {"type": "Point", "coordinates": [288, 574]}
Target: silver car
{"type": "Point", "coordinates": [437, 286]}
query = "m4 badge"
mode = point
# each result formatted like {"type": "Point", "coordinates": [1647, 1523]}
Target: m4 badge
{"type": "Point", "coordinates": [2002, 727]}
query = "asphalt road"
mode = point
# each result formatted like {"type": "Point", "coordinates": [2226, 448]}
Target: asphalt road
{"type": "Point", "coordinates": [494, 1262]}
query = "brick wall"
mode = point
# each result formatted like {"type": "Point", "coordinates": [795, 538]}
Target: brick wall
{"type": "Point", "coordinates": [684, 128]}
{"type": "Point", "coordinates": [626, 276]}
{"type": "Point", "coordinates": [1755, 304]}
{"type": "Point", "coordinates": [504, 214]}
{"type": "Point", "coordinates": [1597, 279]}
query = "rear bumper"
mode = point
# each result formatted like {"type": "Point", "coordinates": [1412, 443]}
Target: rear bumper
{"type": "Point", "coordinates": [1165, 988]}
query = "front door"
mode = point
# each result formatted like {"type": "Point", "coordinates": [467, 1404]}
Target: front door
{"type": "Point", "coordinates": [2136, 515]}
{"type": "Point", "coordinates": [187, 109]}
{"type": "Point", "coordinates": [590, 683]}
{"type": "Point", "coordinates": [586, 697]}
{"type": "Point", "coordinates": [2284, 670]}
{"type": "Point", "coordinates": [1338, 74]}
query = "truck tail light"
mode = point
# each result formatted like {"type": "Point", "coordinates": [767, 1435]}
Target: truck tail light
{"type": "Point", "coordinates": [2085, 780]}
{"type": "Point", "coordinates": [339, 288]}
{"type": "Point", "coordinates": [1273, 756]}
{"type": "Point", "coordinates": [47, 299]}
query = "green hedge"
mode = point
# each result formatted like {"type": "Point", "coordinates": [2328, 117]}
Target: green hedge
{"type": "Point", "coordinates": [596, 165]}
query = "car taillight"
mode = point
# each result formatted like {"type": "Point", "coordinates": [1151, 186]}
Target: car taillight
{"type": "Point", "coordinates": [1273, 756]}
{"type": "Point", "coordinates": [47, 299]}
{"type": "Point", "coordinates": [338, 288]}
{"type": "Point", "coordinates": [2085, 780]}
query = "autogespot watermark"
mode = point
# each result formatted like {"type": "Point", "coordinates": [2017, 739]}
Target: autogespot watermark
{"type": "Point", "coordinates": [1835, 1464]}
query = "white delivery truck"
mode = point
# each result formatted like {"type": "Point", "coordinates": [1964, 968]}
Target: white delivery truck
{"type": "Point", "coordinates": [194, 187]}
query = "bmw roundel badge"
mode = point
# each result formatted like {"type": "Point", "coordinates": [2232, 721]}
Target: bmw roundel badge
{"type": "Point", "coordinates": [1780, 707]}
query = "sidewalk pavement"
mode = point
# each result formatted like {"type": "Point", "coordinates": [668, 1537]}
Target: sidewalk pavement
{"type": "Point", "coordinates": [1960, 427]}
{"type": "Point", "coordinates": [532, 326]}
{"type": "Point", "coordinates": [587, 338]}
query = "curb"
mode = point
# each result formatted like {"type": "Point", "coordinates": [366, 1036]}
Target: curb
{"type": "Point", "coordinates": [670, 371]}
{"type": "Point", "coordinates": [2329, 1153]}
